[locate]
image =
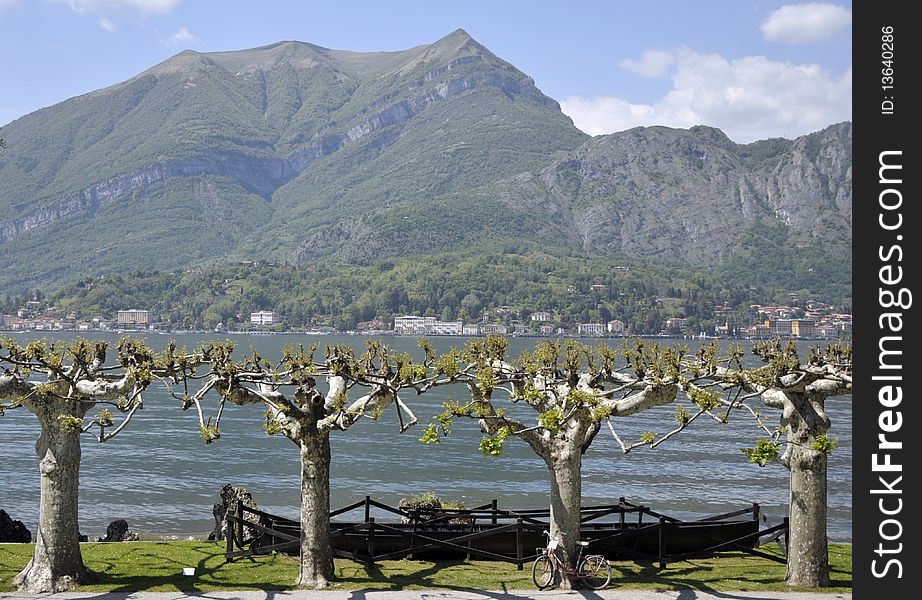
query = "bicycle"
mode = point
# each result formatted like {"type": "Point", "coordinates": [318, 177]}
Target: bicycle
{"type": "Point", "coordinates": [593, 570]}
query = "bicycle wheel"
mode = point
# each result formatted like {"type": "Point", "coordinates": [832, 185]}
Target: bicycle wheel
{"type": "Point", "coordinates": [543, 572]}
{"type": "Point", "coordinates": [594, 571]}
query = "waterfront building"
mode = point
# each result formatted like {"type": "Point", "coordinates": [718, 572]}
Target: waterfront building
{"type": "Point", "coordinates": [592, 329]}
{"type": "Point", "coordinates": [616, 327]}
{"type": "Point", "coordinates": [262, 317]}
{"type": "Point", "coordinates": [416, 325]}
{"type": "Point", "coordinates": [413, 325]}
{"type": "Point", "coordinates": [447, 328]}
{"type": "Point", "coordinates": [827, 331]}
{"type": "Point", "coordinates": [780, 327]}
{"type": "Point", "coordinates": [756, 331]}
{"type": "Point", "coordinates": [470, 329]}
{"type": "Point", "coordinates": [803, 328]}
{"type": "Point", "coordinates": [133, 317]}
{"type": "Point", "coordinates": [493, 328]}
{"type": "Point", "coordinates": [676, 323]}
{"type": "Point", "coordinates": [12, 323]}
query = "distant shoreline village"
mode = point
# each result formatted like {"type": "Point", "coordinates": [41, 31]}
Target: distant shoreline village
{"type": "Point", "coordinates": [817, 322]}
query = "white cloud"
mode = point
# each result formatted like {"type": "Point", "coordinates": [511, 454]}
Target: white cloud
{"type": "Point", "coordinates": [652, 63]}
{"type": "Point", "coordinates": [180, 37]}
{"type": "Point", "coordinates": [749, 98]}
{"type": "Point", "coordinates": [107, 24]}
{"type": "Point", "coordinates": [800, 23]}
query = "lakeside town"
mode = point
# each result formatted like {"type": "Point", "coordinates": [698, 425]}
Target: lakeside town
{"type": "Point", "coordinates": [813, 320]}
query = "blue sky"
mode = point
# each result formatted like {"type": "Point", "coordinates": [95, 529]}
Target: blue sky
{"type": "Point", "coordinates": [756, 69]}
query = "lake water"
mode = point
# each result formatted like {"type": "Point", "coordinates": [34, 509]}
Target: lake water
{"type": "Point", "coordinates": [161, 478]}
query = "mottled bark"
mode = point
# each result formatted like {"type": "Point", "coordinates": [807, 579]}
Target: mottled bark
{"type": "Point", "coordinates": [565, 465]}
{"type": "Point", "coordinates": [56, 563]}
{"type": "Point", "coordinates": [316, 555]}
{"type": "Point", "coordinates": [808, 558]}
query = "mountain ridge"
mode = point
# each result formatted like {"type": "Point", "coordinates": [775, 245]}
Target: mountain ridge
{"type": "Point", "coordinates": [294, 153]}
{"type": "Point", "coordinates": [597, 199]}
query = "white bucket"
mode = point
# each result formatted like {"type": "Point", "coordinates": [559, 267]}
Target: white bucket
{"type": "Point", "coordinates": [188, 571]}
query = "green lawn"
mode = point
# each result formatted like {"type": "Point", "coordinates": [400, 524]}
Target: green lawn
{"type": "Point", "coordinates": [157, 566]}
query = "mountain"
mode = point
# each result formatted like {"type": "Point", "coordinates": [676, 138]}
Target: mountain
{"type": "Point", "coordinates": [298, 154]}
{"type": "Point", "coordinates": [186, 160]}
{"type": "Point", "coordinates": [672, 196]}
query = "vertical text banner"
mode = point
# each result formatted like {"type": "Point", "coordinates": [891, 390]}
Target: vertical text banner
{"type": "Point", "coordinates": [886, 228]}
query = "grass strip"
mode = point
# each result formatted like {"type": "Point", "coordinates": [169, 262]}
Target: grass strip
{"type": "Point", "coordinates": [158, 567]}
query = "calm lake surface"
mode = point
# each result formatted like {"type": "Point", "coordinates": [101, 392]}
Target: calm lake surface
{"type": "Point", "coordinates": [161, 478]}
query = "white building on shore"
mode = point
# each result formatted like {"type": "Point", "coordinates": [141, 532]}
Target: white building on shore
{"type": "Point", "coordinates": [597, 329]}
{"type": "Point", "coordinates": [413, 325]}
{"type": "Point", "coordinates": [262, 317]}
{"type": "Point", "coordinates": [616, 327]}
{"type": "Point", "coordinates": [416, 325]}
{"type": "Point", "coordinates": [470, 329]}
{"type": "Point", "coordinates": [447, 328]}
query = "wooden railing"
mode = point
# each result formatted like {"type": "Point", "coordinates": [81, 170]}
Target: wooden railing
{"type": "Point", "coordinates": [455, 531]}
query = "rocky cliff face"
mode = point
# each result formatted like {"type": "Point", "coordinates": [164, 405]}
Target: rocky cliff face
{"type": "Point", "coordinates": [259, 176]}
{"type": "Point", "coordinates": [810, 189]}
{"type": "Point", "coordinates": [671, 195]}
{"type": "Point", "coordinates": [678, 194]}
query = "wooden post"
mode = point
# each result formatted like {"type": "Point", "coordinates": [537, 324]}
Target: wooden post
{"type": "Point", "coordinates": [239, 523]}
{"type": "Point", "coordinates": [662, 543]}
{"type": "Point", "coordinates": [371, 541]}
{"type": "Point", "coordinates": [493, 507]}
{"type": "Point", "coordinates": [787, 529]}
{"type": "Point", "coordinates": [755, 512]}
{"type": "Point", "coordinates": [519, 543]}
{"type": "Point", "coordinates": [413, 537]}
{"type": "Point", "coordinates": [229, 535]}
{"type": "Point", "coordinates": [367, 507]}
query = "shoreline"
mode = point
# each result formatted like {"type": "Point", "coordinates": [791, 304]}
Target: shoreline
{"type": "Point", "coordinates": [377, 333]}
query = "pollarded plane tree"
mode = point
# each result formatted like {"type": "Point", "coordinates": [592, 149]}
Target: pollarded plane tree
{"type": "Point", "coordinates": [798, 389]}
{"type": "Point", "coordinates": [572, 390]}
{"type": "Point", "coordinates": [71, 390]}
{"type": "Point", "coordinates": [295, 408]}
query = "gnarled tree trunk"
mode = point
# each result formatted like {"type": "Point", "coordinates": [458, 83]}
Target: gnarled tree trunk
{"type": "Point", "coordinates": [316, 555]}
{"type": "Point", "coordinates": [808, 552]}
{"type": "Point", "coordinates": [56, 563]}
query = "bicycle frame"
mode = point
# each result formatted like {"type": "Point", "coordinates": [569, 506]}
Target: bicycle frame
{"type": "Point", "coordinates": [551, 551]}
{"type": "Point", "coordinates": [592, 570]}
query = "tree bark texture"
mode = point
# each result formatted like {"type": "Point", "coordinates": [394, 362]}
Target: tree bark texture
{"type": "Point", "coordinates": [565, 465]}
{"type": "Point", "coordinates": [316, 554]}
{"type": "Point", "coordinates": [808, 552]}
{"type": "Point", "coordinates": [56, 563]}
